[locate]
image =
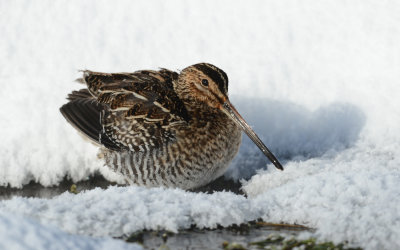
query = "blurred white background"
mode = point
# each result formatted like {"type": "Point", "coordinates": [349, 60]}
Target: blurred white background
{"type": "Point", "coordinates": [338, 58]}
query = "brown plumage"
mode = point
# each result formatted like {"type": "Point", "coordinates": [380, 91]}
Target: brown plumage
{"type": "Point", "coordinates": [161, 128]}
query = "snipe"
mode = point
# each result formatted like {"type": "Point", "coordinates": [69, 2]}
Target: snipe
{"type": "Point", "coordinates": [162, 128]}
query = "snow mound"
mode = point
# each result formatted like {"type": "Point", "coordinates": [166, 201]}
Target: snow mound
{"type": "Point", "coordinates": [341, 206]}
{"type": "Point", "coordinates": [22, 233]}
{"type": "Point", "coordinates": [356, 201]}
{"type": "Point", "coordinates": [120, 211]}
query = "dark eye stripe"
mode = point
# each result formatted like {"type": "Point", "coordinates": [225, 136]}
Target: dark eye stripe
{"type": "Point", "coordinates": [216, 74]}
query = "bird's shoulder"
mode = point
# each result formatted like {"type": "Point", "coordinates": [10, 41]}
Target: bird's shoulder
{"type": "Point", "coordinates": [145, 93]}
{"type": "Point", "coordinates": [128, 111]}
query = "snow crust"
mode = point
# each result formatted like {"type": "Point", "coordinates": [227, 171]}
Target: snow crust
{"type": "Point", "coordinates": [319, 81]}
{"type": "Point", "coordinates": [21, 233]}
{"type": "Point", "coordinates": [119, 211]}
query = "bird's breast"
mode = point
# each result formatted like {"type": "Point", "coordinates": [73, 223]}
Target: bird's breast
{"type": "Point", "coordinates": [201, 152]}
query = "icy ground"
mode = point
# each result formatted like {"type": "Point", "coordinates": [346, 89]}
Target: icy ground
{"type": "Point", "coordinates": [318, 80]}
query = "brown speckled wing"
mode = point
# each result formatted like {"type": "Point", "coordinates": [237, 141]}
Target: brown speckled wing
{"type": "Point", "coordinates": [140, 110]}
{"type": "Point", "coordinates": [84, 113]}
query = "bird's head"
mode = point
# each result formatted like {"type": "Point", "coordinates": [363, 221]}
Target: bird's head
{"type": "Point", "coordinates": [203, 83]}
{"type": "Point", "coordinates": [206, 84]}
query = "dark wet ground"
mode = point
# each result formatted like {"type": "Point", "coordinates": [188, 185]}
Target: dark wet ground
{"type": "Point", "coordinates": [38, 191]}
{"type": "Point", "coordinates": [187, 239]}
{"type": "Point", "coordinates": [244, 235]}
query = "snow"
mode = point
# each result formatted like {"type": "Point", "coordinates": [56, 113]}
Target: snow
{"type": "Point", "coordinates": [119, 211]}
{"type": "Point", "coordinates": [293, 132]}
{"type": "Point", "coordinates": [319, 82]}
{"type": "Point", "coordinates": [22, 233]}
{"type": "Point", "coordinates": [343, 199]}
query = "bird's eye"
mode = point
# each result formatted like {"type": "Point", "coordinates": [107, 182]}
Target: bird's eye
{"type": "Point", "coordinates": [204, 82]}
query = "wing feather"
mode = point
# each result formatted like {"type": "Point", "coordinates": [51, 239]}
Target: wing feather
{"type": "Point", "coordinates": [127, 111]}
{"type": "Point", "coordinates": [84, 113]}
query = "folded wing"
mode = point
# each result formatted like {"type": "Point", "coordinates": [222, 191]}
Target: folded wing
{"type": "Point", "coordinates": [127, 111]}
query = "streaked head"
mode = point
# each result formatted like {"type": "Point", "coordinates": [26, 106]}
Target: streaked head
{"type": "Point", "coordinates": [203, 83]}
{"type": "Point", "coordinates": [207, 84]}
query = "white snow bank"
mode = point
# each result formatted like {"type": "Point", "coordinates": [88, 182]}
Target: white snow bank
{"type": "Point", "coordinates": [122, 210]}
{"type": "Point", "coordinates": [37, 144]}
{"type": "Point", "coordinates": [360, 208]}
{"type": "Point", "coordinates": [353, 197]}
{"type": "Point", "coordinates": [322, 73]}
{"type": "Point", "coordinates": [17, 233]}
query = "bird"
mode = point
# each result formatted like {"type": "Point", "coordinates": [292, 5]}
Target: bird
{"type": "Point", "coordinates": [161, 127]}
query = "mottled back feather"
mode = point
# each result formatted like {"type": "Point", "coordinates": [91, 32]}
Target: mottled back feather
{"type": "Point", "coordinates": [127, 111]}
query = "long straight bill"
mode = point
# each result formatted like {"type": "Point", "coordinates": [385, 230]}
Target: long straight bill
{"type": "Point", "coordinates": [232, 113]}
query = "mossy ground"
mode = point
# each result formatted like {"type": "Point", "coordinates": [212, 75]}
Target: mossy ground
{"type": "Point", "coordinates": [236, 237]}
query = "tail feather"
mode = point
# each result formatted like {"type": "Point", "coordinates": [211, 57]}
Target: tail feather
{"type": "Point", "coordinates": [85, 114]}
{"type": "Point", "coordinates": [80, 94]}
